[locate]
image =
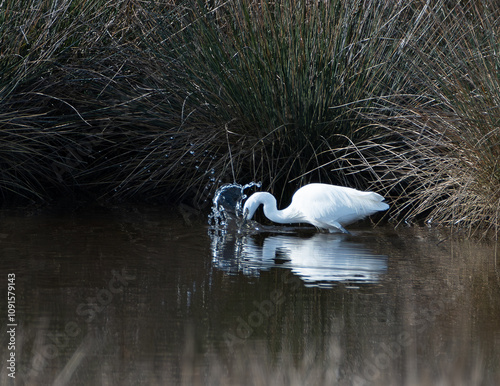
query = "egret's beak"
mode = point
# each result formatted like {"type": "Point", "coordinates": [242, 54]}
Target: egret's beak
{"type": "Point", "coordinates": [245, 217]}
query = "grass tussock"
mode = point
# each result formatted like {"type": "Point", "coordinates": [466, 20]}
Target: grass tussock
{"type": "Point", "coordinates": [288, 82]}
{"type": "Point", "coordinates": [166, 100]}
{"type": "Point", "coordinates": [446, 163]}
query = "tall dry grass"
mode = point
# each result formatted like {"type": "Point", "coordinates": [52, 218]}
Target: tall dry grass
{"type": "Point", "coordinates": [445, 164]}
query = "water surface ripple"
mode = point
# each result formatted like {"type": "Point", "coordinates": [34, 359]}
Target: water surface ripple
{"type": "Point", "coordinates": [152, 296]}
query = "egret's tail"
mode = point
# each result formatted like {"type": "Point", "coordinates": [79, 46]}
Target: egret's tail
{"type": "Point", "coordinates": [378, 202]}
{"type": "Point", "coordinates": [382, 206]}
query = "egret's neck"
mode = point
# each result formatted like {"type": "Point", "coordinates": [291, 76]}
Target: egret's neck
{"type": "Point", "coordinates": [271, 211]}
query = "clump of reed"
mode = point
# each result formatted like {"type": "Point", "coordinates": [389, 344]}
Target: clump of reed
{"type": "Point", "coordinates": [468, 80]}
{"type": "Point", "coordinates": [44, 134]}
{"type": "Point", "coordinates": [82, 115]}
{"type": "Point", "coordinates": [290, 84]}
{"type": "Point", "coordinates": [446, 160]}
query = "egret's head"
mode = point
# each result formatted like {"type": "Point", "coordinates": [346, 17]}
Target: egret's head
{"type": "Point", "coordinates": [254, 201]}
{"type": "Point", "coordinates": [251, 205]}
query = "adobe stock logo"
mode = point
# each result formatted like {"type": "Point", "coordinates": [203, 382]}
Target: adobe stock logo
{"type": "Point", "coordinates": [72, 330]}
{"type": "Point", "coordinates": [72, 157]}
{"type": "Point", "coordinates": [387, 352]}
{"type": "Point", "coordinates": [263, 311]}
{"type": "Point", "coordinates": [76, 152]}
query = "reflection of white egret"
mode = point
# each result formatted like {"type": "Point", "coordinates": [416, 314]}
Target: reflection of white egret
{"type": "Point", "coordinates": [322, 205]}
{"type": "Point", "coordinates": [322, 258]}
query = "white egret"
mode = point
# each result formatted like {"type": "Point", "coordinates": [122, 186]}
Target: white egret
{"type": "Point", "coordinates": [323, 205]}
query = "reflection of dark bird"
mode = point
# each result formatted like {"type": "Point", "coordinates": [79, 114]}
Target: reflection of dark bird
{"type": "Point", "coordinates": [322, 205]}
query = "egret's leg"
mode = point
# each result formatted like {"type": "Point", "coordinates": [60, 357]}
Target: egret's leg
{"type": "Point", "coordinates": [339, 227]}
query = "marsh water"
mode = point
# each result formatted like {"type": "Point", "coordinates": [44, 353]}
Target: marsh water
{"type": "Point", "coordinates": [152, 296]}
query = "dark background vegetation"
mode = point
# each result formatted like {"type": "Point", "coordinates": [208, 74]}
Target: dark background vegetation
{"type": "Point", "coordinates": [163, 101]}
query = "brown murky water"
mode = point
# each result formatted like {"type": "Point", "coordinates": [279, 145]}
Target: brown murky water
{"type": "Point", "coordinates": [138, 296]}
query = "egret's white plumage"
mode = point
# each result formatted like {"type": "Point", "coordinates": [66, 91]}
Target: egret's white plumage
{"type": "Point", "coordinates": [322, 205]}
